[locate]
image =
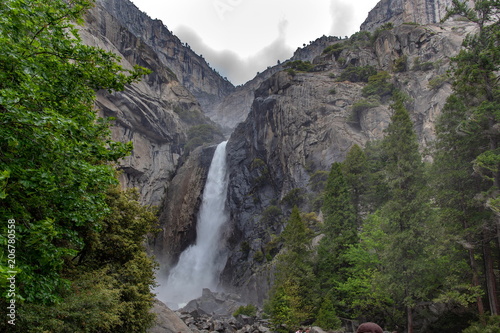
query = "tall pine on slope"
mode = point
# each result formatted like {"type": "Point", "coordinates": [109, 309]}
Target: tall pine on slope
{"type": "Point", "coordinates": [340, 231]}
{"type": "Point", "coordinates": [291, 299]}
{"type": "Point", "coordinates": [406, 267]}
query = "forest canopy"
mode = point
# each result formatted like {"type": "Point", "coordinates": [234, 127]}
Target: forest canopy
{"type": "Point", "coordinates": [75, 232]}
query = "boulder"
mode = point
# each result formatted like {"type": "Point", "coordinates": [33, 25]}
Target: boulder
{"type": "Point", "coordinates": [167, 321]}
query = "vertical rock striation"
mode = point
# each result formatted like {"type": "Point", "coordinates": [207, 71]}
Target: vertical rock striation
{"type": "Point", "coordinates": [406, 11]}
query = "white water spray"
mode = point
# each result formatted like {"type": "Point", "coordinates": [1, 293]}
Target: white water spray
{"type": "Point", "coordinates": [200, 264]}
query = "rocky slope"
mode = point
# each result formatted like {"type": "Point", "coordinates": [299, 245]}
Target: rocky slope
{"type": "Point", "coordinates": [154, 114]}
{"type": "Point", "coordinates": [301, 123]}
{"type": "Point", "coordinates": [401, 11]}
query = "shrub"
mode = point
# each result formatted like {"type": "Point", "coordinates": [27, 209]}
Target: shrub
{"type": "Point", "coordinates": [491, 325]}
{"type": "Point", "coordinates": [382, 28]}
{"type": "Point", "coordinates": [437, 81]}
{"type": "Point", "coordinates": [378, 85]}
{"type": "Point", "coordinates": [201, 134]}
{"type": "Point", "coordinates": [357, 73]}
{"type": "Point", "coordinates": [335, 49]}
{"type": "Point", "coordinates": [258, 256]}
{"type": "Point", "coordinates": [401, 64]}
{"type": "Point", "coordinates": [422, 66]}
{"type": "Point", "coordinates": [301, 66]}
{"type": "Point", "coordinates": [246, 310]}
{"type": "Point", "coordinates": [294, 198]}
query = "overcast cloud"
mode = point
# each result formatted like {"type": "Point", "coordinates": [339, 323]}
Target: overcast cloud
{"type": "Point", "coordinates": [239, 38]}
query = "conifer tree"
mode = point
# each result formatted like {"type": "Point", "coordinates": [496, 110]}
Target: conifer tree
{"type": "Point", "coordinates": [472, 142]}
{"type": "Point", "coordinates": [355, 171]}
{"type": "Point", "coordinates": [407, 269]}
{"type": "Point", "coordinates": [291, 300]}
{"type": "Point", "coordinates": [340, 232]}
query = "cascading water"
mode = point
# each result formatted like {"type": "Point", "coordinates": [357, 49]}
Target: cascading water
{"type": "Point", "coordinates": [200, 264]}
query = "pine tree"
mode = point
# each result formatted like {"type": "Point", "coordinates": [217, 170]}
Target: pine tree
{"type": "Point", "coordinates": [355, 169]}
{"type": "Point", "coordinates": [474, 107]}
{"type": "Point", "coordinates": [291, 300]}
{"type": "Point", "coordinates": [408, 271]}
{"type": "Point", "coordinates": [339, 230]}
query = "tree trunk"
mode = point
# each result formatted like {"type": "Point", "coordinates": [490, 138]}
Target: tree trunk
{"type": "Point", "coordinates": [410, 319]}
{"type": "Point", "coordinates": [490, 277]}
{"type": "Point", "coordinates": [475, 283]}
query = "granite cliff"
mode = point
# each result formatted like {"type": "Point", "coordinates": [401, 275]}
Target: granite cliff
{"type": "Point", "coordinates": [155, 114]}
{"type": "Point", "coordinates": [302, 122]}
{"type": "Point", "coordinates": [191, 69]}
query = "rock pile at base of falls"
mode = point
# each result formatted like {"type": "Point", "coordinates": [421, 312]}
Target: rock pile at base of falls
{"type": "Point", "coordinates": [213, 313]}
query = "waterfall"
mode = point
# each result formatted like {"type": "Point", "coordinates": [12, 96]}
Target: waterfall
{"type": "Point", "coordinates": [200, 265]}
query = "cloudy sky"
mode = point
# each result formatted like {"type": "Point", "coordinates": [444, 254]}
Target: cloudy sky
{"type": "Point", "coordinates": [241, 37]}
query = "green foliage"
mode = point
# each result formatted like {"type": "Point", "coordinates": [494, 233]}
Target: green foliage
{"type": "Point", "coordinates": [200, 135]}
{"type": "Point", "coordinates": [258, 256]}
{"type": "Point", "coordinates": [357, 73]}
{"type": "Point", "coordinates": [438, 81]}
{"type": "Point", "coordinates": [55, 149]}
{"type": "Point", "coordinates": [56, 162]}
{"type": "Point", "coordinates": [422, 66]}
{"type": "Point", "coordinates": [379, 85]}
{"type": "Point", "coordinates": [401, 64]}
{"type": "Point", "coordinates": [491, 325]}
{"type": "Point", "coordinates": [339, 229]}
{"type": "Point", "coordinates": [291, 71]}
{"type": "Point", "coordinates": [335, 49]}
{"type": "Point", "coordinates": [355, 168]}
{"type": "Point", "coordinates": [327, 318]}
{"type": "Point", "coordinates": [271, 216]}
{"type": "Point", "coordinates": [91, 305]}
{"type": "Point", "coordinates": [291, 299]}
{"type": "Point", "coordinates": [361, 39]}
{"type": "Point", "coordinates": [247, 310]}
{"type": "Point", "coordinates": [299, 65]}
{"type": "Point", "coordinates": [360, 106]}
{"type": "Point", "coordinates": [317, 181]}
{"type": "Point", "coordinates": [295, 197]}
{"type": "Point", "coordinates": [110, 278]}
{"type": "Point", "coordinates": [189, 115]}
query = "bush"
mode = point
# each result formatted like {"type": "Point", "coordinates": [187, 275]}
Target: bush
{"type": "Point", "coordinates": [437, 81]}
{"type": "Point", "coordinates": [378, 85]}
{"type": "Point", "coordinates": [401, 64]}
{"type": "Point", "coordinates": [491, 325]}
{"type": "Point", "coordinates": [301, 66]}
{"type": "Point", "coordinates": [335, 49]}
{"type": "Point", "coordinates": [200, 135]}
{"type": "Point", "coordinates": [422, 66]}
{"type": "Point", "coordinates": [357, 73]}
{"type": "Point", "coordinates": [246, 310]}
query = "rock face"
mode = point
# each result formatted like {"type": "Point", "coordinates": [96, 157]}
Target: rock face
{"type": "Point", "coordinates": [234, 108]}
{"type": "Point", "coordinates": [300, 124]}
{"type": "Point", "coordinates": [178, 212]}
{"type": "Point", "coordinates": [406, 11]}
{"type": "Point", "coordinates": [154, 114]}
{"type": "Point", "coordinates": [167, 321]}
{"type": "Point", "coordinates": [191, 70]}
